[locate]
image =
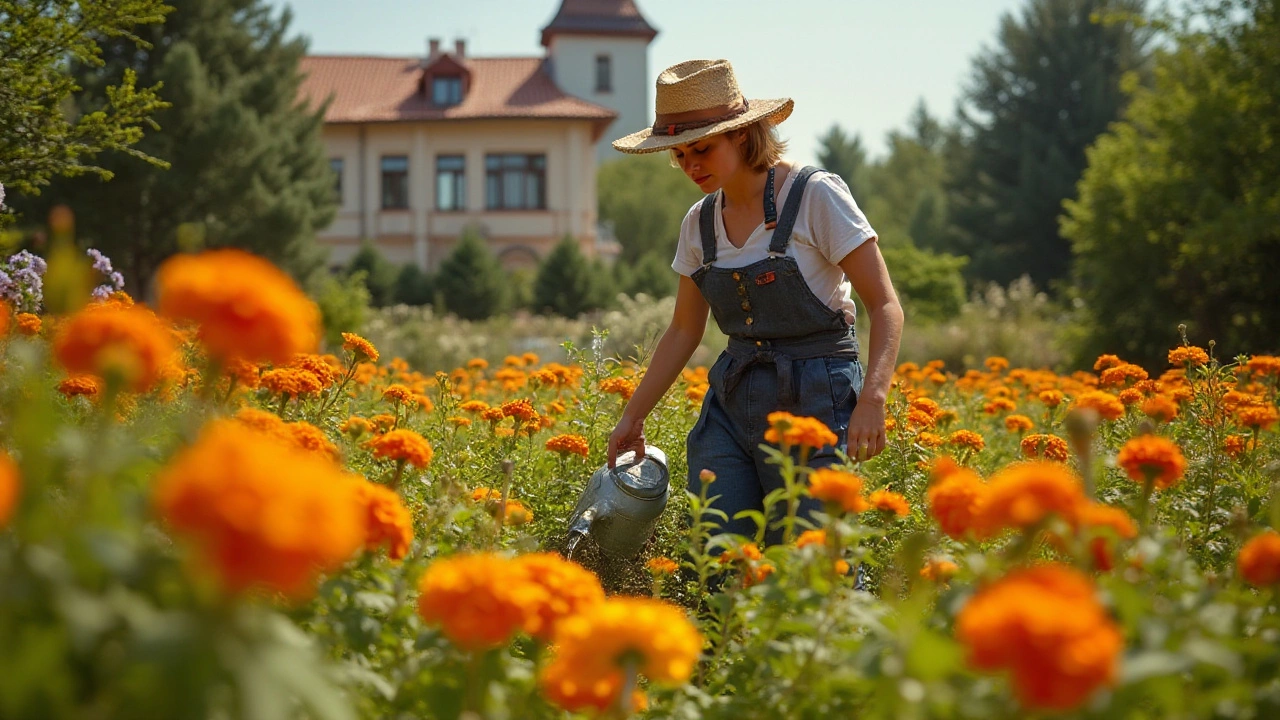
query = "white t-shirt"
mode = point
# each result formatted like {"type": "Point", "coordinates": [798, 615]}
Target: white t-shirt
{"type": "Point", "coordinates": [828, 227]}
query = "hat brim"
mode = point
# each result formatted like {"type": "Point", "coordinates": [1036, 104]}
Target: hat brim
{"type": "Point", "coordinates": [644, 141]}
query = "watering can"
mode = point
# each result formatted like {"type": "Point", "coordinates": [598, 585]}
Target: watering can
{"type": "Point", "coordinates": [620, 507]}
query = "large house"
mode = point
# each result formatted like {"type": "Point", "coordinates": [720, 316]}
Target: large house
{"type": "Point", "coordinates": [424, 147]}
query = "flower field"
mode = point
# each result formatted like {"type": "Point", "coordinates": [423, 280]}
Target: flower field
{"type": "Point", "coordinates": [205, 514]}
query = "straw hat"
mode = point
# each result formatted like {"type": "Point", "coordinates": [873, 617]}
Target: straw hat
{"type": "Point", "coordinates": [696, 99]}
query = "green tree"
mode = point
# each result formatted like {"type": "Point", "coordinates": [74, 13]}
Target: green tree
{"type": "Point", "coordinates": [470, 282]}
{"type": "Point", "coordinates": [412, 286]}
{"type": "Point", "coordinates": [248, 165]}
{"type": "Point", "coordinates": [1178, 218]}
{"type": "Point", "coordinates": [564, 284]}
{"type": "Point", "coordinates": [645, 200]}
{"type": "Point", "coordinates": [652, 276]}
{"type": "Point", "coordinates": [380, 276]}
{"type": "Point", "coordinates": [843, 155]}
{"type": "Point", "coordinates": [1032, 106]}
{"type": "Point", "coordinates": [39, 140]}
{"type": "Point", "coordinates": [931, 284]}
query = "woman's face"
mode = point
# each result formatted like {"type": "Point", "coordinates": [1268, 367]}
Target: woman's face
{"type": "Point", "coordinates": [710, 161]}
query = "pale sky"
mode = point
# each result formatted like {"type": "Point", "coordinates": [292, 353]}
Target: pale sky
{"type": "Point", "coordinates": [860, 63]}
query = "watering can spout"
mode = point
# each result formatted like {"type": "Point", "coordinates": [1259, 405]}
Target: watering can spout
{"type": "Point", "coordinates": [582, 524]}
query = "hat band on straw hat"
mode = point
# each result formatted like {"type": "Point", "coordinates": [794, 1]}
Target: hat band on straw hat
{"type": "Point", "coordinates": [676, 123]}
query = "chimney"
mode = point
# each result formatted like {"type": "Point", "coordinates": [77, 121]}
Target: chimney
{"type": "Point", "coordinates": [460, 48]}
{"type": "Point", "coordinates": [433, 48]}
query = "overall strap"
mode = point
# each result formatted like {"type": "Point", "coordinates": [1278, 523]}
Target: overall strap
{"type": "Point", "coordinates": [707, 226]}
{"type": "Point", "coordinates": [782, 234]}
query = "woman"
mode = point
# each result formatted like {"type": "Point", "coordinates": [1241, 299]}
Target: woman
{"type": "Point", "coordinates": [773, 251]}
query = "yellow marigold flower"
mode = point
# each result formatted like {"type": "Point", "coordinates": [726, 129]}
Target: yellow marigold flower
{"type": "Point", "coordinates": [618, 386]}
{"type": "Point", "coordinates": [397, 393]}
{"type": "Point", "coordinates": [1259, 560]}
{"type": "Point", "coordinates": [567, 589]}
{"type": "Point", "coordinates": [838, 488]}
{"type": "Point", "coordinates": [383, 422]}
{"type": "Point", "coordinates": [954, 497]}
{"type": "Point", "coordinates": [355, 426]}
{"type": "Point", "coordinates": [996, 363]}
{"type": "Point", "coordinates": [291, 381]}
{"type": "Point", "coordinates": [889, 502]}
{"type": "Point", "coordinates": [478, 600]}
{"type": "Point", "coordinates": [1044, 625]}
{"type": "Point", "coordinates": [100, 341]}
{"type": "Point", "coordinates": [1023, 494]}
{"type": "Point", "coordinates": [812, 537]}
{"type": "Point", "coordinates": [1051, 398]}
{"type": "Point", "coordinates": [1106, 361]}
{"type": "Point", "coordinates": [28, 324]}
{"type": "Point", "coordinates": [387, 521]}
{"type": "Point", "coordinates": [1018, 423]}
{"type": "Point", "coordinates": [460, 421]}
{"type": "Point", "coordinates": [594, 646]}
{"type": "Point", "coordinates": [362, 350]}
{"type": "Point", "coordinates": [1151, 456]}
{"type": "Point", "coordinates": [251, 504]}
{"type": "Point", "coordinates": [316, 365]}
{"type": "Point", "coordinates": [1049, 447]}
{"type": "Point", "coordinates": [244, 306]}
{"type": "Point", "coordinates": [521, 410]}
{"type": "Point", "coordinates": [662, 566]}
{"type": "Point", "coordinates": [787, 430]}
{"type": "Point", "coordinates": [86, 385]}
{"type": "Point", "coordinates": [1104, 403]}
{"type": "Point", "coordinates": [309, 437]}
{"type": "Point", "coordinates": [967, 438]}
{"type": "Point", "coordinates": [1188, 355]}
{"type": "Point", "coordinates": [1160, 408]}
{"type": "Point", "coordinates": [568, 445]}
{"type": "Point", "coordinates": [402, 446]}
{"type": "Point", "coordinates": [1257, 418]}
{"type": "Point", "coordinates": [1102, 524]}
{"type": "Point", "coordinates": [10, 486]}
{"type": "Point", "coordinates": [939, 571]}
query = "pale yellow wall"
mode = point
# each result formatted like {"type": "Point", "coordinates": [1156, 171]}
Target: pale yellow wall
{"type": "Point", "coordinates": [421, 234]}
{"type": "Point", "coordinates": [573, 65]}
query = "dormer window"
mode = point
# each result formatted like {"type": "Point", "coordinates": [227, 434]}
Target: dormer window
{"type": "Point", "coordinates": [446, 90]}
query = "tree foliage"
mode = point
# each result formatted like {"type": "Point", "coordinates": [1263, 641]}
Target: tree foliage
{"type": "Point", "coordinates": [566, 283]}
{"type": "Point", "coordinates": [380, 275]}
{"type": "Point", "coordinates": [249, 168]}
{"type": "Point", "coordinates": [843, 154]}
{"type": "Point", "coordinates": [645, 199]}
{"type": "Point", "coordinates": [1032, 106]}
{"type": "Point", "coordinates": [470, 282]}
{"type": "Point", "coordinates": [1178, 219]}
{"type": "Point", "coordinates": [39, 140]}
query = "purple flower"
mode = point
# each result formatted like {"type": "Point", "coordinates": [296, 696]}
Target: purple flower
{"type": "Point", "coordinates": [1, 196]}
{"type": "Point", "coordinates": [102, 292]}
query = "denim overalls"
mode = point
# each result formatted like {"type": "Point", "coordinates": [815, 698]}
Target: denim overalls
{"type": "Point", "coordinates": [787, 351]}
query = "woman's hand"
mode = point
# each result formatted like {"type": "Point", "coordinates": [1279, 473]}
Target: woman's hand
{"type": "Point", "coordinates": [628, 435]}
{"type": "Point", "coordinates": [866, 430]}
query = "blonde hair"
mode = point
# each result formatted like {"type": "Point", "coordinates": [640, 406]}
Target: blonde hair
{"type": "Point", "coordinates": [761, 147]}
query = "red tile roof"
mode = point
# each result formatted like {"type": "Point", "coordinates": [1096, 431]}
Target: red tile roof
{"type": "Point", "coordinates": [386, 89]}
{"type": "Point", "coordinates": [598, 17]}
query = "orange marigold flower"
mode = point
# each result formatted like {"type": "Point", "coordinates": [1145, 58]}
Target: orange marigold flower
{"type": "Point", "coordinates": [999, 405]}
{"type": "Point", "coordinates": [388, 522]}
{"type": "Point", "coordinates": [939, 571]}
{"type": "Point", "coordinates": [1102, 524]}
{"type": "Point", "coordinates": [1106, 361]}
{"type": "Point", "coordinates": [530, 358]}
{"type": "Point", "coordinates": [787, 430]}
{"type": "Point", "coordinates": [382, 422]}
{"type": "Point", "coordinates": [747, 552]}
{"type": "Point", "coordinates": [362, 350]}
{"type": "Point", "coordinates": [927, 406]}
{"type": "Point", "coordinates": [1160, 408]}
{"type": "Point", "coordinates": [291, 381]}
{"type": "Point", "coordinates": [460, 421]}
{"type": "Point", "coordinates": [838, 488]}
{"type": "Point", "coordinates": [355, 426]}
{"type": "Point", "coordinates": [28, 324]}
{"type": "Point", "coordinates": [1051, 398]}
{"type": "Point", "coordinates": [86, 385]}
{"type": "Point", "coordinates": [929, 440]}
{"type": "Point", "coordinates": [316, 365]}
{"type": "Point", "coordinates": [1264, 365]}
{"type": "Point", "coordinates": [593, 646]}
{"type": "Point", "coordinates": [1257, 418]}
{"type": "Point", "coordinates": [1235, 445]}
{"type": "Point", "coordinates": [516, 513]}
{"type": "Point", "coordinates": [309, 437]}
{"type": "Point", "coordinates": [1121, 374]}
{"type": "Point", "coordinates": [1044, 625]}
{"type": "Point", "coordinates": [246, 374]}
{"type": "Point", "coordinates": [474, 406]}
{"type": "Point", "coordinates": [1104, 403]}
{"type": "Point", "coordinates": [477, 364]}
{"type": "Point", "coordinates": [402, 446]}
{"type": "Point", "coordinates": [244, 306]}
{"type": "Point", "coordinates": [1188, 355]}
{"type": "Point", "coordinates": [919, 418]}
{"type": "Point", "coordinates": [996, 363]}
{"type": "Point", "coordinates": [1049, 447]}
{"type": "Point", "coordinates": [477, 600]}
{"type": "Point", "coordinates": [568, 445]}
{"type": "Point", "coordinates": [1018, 423]}
{"type": "Point", "coordinates": [566, 589]}
{"type": "Point", "coordinates": [251, 504]}
{"type": "Point", "coordinates": [1154, 457]}
{"type": "Point", "coordinates": [520, 409]}
{"type": "Point", "coordinates": [1130, 396]}
{"type": "Point", "coordinates": [887, 501]}
{"type": "Point", "coordinates": [662, 566]}
{"type": "Point", "coordinates": [485, 494]}
{"type": "Point", "coordinates": [812, 537]}
{"type": "Point", "coordinates": [424, 403]}
{"type": "Point", "coordinates": [618, 386]}
{"type": "Point", "coordinates": [10, 485]}
{"type": "Point", "coordinates": [954, 498]}
{"type": "Point", "coordinates": [1023, 494]}
{"type": "Point", "coordinates": [1259, 559]}
{"type": "Point", "coordinates": [695, 393]}
{"type": "Point", "coordinates": [397, 393]}
{"type": "Point", "coordinates": [102, 341]}
{"type": "Point", "coordinates": [967, 438]}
